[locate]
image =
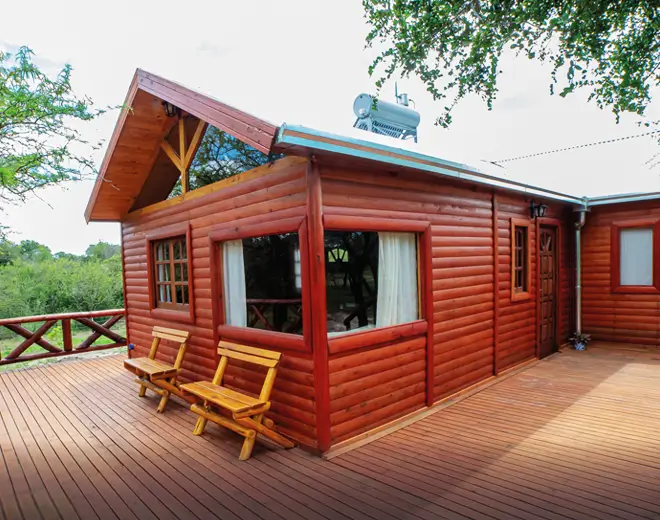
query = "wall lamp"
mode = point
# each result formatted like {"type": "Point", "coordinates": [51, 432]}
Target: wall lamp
{"type": "Point", "coordinates": [537, 210]}
{"type": "Point", "coordinates": [170, 109]}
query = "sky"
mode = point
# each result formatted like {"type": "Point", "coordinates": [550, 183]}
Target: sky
{"type": "Point", "coordinates": [303, 62]}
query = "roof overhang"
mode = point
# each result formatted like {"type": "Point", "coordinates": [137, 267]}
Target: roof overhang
{"type": "Point", "coordinates": [299, 139]}
{"type": "Point", "coordinates": [141, 127]}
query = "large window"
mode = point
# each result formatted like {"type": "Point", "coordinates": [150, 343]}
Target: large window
{"type": "Point", "coordinates": [520, 260]}
{"type": "Point", "coordinates": [371, 279]}
{"type": "Point", "coordinates": [170, 259]}
{"type": "Point", "coordinates": [634, 254]}
{"type": "Point", "coordinates": [262, 283]}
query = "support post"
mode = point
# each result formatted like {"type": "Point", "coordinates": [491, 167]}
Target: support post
{"type": "Point", "coordinates": [319, 318]}
{"type": "Point", "coordinates": [67, 340]}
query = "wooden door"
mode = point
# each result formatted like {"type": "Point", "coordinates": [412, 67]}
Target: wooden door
{"type": "Point", "coordinates": [547, 291]}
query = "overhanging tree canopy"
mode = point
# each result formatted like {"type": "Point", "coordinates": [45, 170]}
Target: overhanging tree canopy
{"type": "Point", "coordinates": [610, 48]}
{"type": "Point", "coordinates": [38, 144]}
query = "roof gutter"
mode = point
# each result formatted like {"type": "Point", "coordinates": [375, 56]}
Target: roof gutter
{"type": "Point", "coordinates": [628, 197]}
{"type": "Point", "coordinates": [316, 140]}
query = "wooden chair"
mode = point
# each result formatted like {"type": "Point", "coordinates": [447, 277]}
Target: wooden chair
{"type": "Point", "coordinates": [155, 375]}
{"type": "Point", "coordinates": [244, 413]}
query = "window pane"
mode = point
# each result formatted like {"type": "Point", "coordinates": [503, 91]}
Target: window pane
{"type": "Point", "coordinates": [273, 297]}
{"type": "Point", "coordinates": [371, 279]}
{"type": "Point", "coordinates": [166, 251]}
{"type": "Point", "coordinates": [185, 272]}
{"type": "Point", "coordinates": [177, 250]}
{"type": "Point", "coordinates": [636, 256]}
{"type": "Point", "coordinates": [185, 295]}
{"type": "Point", "coordinates": [159, 252]}
{"type": "Point", "coordinates": [351, 280]}
{"type": "Point", "coordinates": [179, 294]}
{"type": "Point", "coordinates": [177, 272]}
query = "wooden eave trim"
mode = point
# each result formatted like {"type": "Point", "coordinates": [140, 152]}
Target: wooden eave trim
{"type": "Point", "coordinates": [245, 127]}
{"type": "Point", "coordinates": [249, 129]}
{"type": "Point", "coordinates": [121, 120]}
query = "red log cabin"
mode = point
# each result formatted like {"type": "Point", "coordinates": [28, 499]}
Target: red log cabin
{"type": "Point", "coordinates": [389, 280]}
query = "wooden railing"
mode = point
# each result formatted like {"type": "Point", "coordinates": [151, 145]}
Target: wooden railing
{"type": "Point", "coordinates": [38, 337]}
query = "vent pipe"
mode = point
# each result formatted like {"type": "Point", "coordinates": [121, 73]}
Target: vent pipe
{"type": "Point", "coordinates": [579, 224]}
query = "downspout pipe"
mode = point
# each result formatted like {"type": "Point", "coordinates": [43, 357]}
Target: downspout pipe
{"type": "Point", "coordinates": [579, 224]}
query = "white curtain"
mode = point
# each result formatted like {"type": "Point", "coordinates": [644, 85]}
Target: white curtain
{"type": "Point", "coordinates": [397, 279]}
{"type": "Point", "coordinates": [234, 283]}
{"type": "Point", "coordinates": [636, 256]}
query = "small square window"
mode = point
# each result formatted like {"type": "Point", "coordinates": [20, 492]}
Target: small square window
{"type": "Point", "coordinates": [171, 273]}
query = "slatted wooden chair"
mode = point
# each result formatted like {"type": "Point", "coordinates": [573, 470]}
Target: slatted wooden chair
{"type": "Point", "coordinates": [152, 373]}
{"type": "Point", "coordinates": [244, 413]}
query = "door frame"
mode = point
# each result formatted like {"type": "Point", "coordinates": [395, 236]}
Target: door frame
{"type": "Point", "coordinates": [557, 225]}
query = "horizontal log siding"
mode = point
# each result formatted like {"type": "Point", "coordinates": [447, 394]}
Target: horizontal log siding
{"type": "Point", "coordinates": [280, 193]}
{"type": "Point", "coordinates": [608, 316]}
{"type": "Point", "coordinates": [373, 386]}
{"type": "Point", "coordinates": [462, 277]}
{"type": "Point", "coordinates": [517, 319]}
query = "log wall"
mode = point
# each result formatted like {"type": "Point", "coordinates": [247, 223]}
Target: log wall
{"type": "Point", "coordinates": [265, 194]}
{"type": "Point", "coordinates": [470, 318]}
{"type": "Point", "coordinates": [609, 316]}
{"type": "Point", "coordinates": [463, 279]}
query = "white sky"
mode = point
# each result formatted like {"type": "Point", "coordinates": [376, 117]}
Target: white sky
{"type": "Point", "coordinates": [303, 62]}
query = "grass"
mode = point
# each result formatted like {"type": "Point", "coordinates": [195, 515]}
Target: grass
{"type": "Point", "coordinates": [54, 336]}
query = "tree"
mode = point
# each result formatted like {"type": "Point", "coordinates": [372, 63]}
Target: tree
{"type": "Point", "coordinates": [38, 144]}
{"type": "Point", "coordinates": [34, 251]}
{"type": "Point", "coordinates": [220, 156]}
{"type": "Point", "coordinates": [102, 251]}
{"type": "Point", "coordinates": [610, 48]}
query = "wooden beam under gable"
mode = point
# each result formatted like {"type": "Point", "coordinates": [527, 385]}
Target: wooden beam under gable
{"type": "Point", "coordinates": [135, 145]}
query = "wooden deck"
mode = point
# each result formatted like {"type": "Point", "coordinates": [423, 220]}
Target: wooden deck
{"type": "Point", "coordinates": [576, 436]}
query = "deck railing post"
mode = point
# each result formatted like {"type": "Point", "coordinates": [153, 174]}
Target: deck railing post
{"type": "Point", "coordinates": [67, 340]}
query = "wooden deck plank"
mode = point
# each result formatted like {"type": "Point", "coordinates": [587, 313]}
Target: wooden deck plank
{"type": "Point", "coordinates": [309, 509]}
{"type": "Point", "coordinates": [516, 473]}
{"type": "Point", "coordinates": [576, 436]}
{"type": "Point", "coordinates": [147, 455]}
{"type": "Point", "coordinates": [30, 460]}
{"type": "Point", "coordinates": [85, 458]}
{"type": "Point", "coordinates": [181, 441]}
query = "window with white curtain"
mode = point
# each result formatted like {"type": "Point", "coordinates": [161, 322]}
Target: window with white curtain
{"type": "Point", "coordinates": [262, 283]}
{"type": "Point", "coordinates": [371, 280]}
{"type": "Point", "coordinates": [636, 256]}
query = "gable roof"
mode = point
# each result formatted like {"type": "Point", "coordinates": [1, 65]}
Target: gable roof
{"type": "Point", "coordinates": [142, 126]}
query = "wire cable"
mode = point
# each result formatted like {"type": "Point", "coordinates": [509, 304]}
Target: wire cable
{"type": "Point", "coordinates": [576, 147]}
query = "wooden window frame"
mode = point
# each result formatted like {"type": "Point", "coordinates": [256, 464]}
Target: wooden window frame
{"type": "Point", "coordinates": [179, 313]}
{"type": "Point", "coordinates": [263, 338]}
{"type": "Point", "coordinates": [423, 326]}
{"type": "Point", "coordinates": [517, 296]}
{"type": "Point", "coordinates": [615, 256]}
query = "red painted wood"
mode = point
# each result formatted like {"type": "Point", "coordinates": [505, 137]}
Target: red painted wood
{"type": "Point", "coordinates": [496, 286]}
{"type": "Point", "coordinates": [373, 338]}
{"type": "Point", "coordinates": [351, 223]}
{"type": "Point", "coordinates": [316, 246]}
{"type": "Point", "coordinates": [610, 313]}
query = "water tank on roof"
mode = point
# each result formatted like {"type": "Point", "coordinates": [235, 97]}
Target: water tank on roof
{"type": "Point", "coordinates": [382, 117]}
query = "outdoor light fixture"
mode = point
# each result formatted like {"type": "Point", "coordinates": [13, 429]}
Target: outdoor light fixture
{"type": "Point", "coordinates": [537, 210]}
{"type": "Point", "coordinates": [170, 109]}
